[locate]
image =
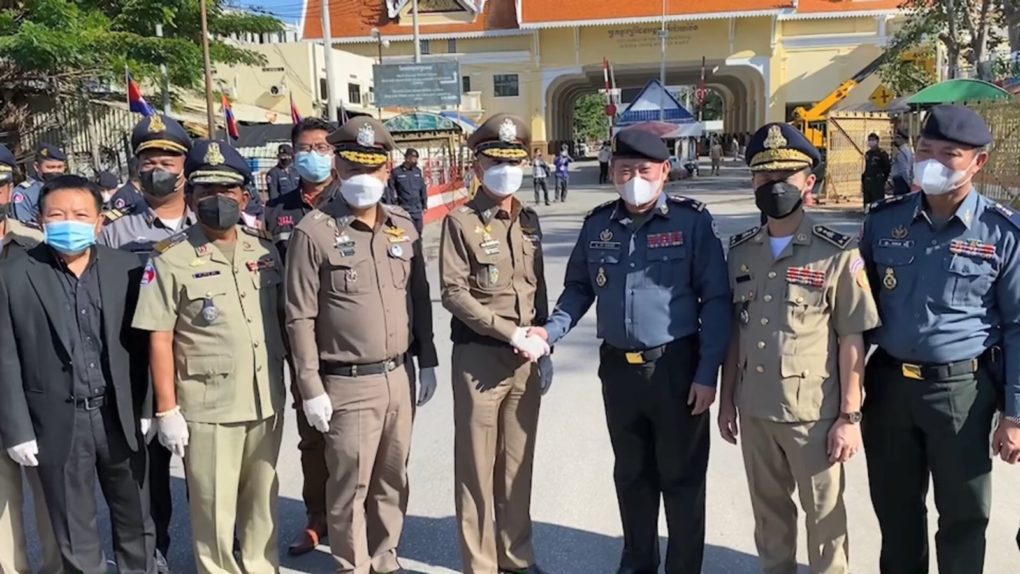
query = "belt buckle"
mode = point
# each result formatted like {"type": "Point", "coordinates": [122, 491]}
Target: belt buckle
{"type": "Point", "coordinates": [635, 358]}
{"type": "Point", "coordinates": [912, 371]}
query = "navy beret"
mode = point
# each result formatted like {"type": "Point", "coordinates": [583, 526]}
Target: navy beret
{"type": "Point", "coordinates": [216, 162]}
{"type": "Point", "coordinates": [957, 124]}
{"type": "Point", "coordinates": [7, 164]}
{"type": "Point", "coordinates": [47, 151]}
{"type": "Point", "coordinates": [780, 147]}
{"type": "Point", "coordinates": [160, 132]}
{"type": "Point", "coordinates": [641, 144]}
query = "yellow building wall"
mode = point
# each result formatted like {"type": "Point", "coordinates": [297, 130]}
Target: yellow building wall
{"type": "Point", "coordinates": [289, 64]}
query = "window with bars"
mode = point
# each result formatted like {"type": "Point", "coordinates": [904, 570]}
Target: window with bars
{"type": "Point", "coordinates": [506, 86]}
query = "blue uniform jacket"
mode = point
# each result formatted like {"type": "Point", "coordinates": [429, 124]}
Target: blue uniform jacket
{"type": "Point", "coordinates": [25, 200]}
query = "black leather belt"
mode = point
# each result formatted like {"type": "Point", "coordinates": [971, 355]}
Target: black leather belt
{"type": "Point", "coordinates": [88, 403]}
{"type": "Point", "coordinates": [363, 370]}
{"type": "Point", "coordinates": [933, 372]}
{"type": "Point", "coordinates": [642, 356]}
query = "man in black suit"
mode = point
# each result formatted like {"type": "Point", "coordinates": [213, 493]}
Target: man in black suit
{"type": "Point", "coordinates": [74, 386]}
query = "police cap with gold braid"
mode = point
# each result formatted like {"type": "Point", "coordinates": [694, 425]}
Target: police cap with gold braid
{"type": "Point", "coordinates": [503, 136]}
{"type": "Point", "coordinates": [160, 132]}
{"type": "Point", "coordinates": [780, 147]}
{"type": "Point", "coordinates": [363, 141]}
{"type": "Point", "coordinates": [215, 162]}
{"type": "Point", "coordinates": [47, 151]}
{"type": "Point", "coordinates": [7, 164]}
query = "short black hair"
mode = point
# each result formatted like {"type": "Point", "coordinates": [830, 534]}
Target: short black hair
{"type": "Point", "coordinates": [411, 152]}
{"type": "Point", "coordinates": [308, 125]}
{"type": "Point", "coordinates": [75, 182]}
{"type": "Point", "coordinates": [873, 136]}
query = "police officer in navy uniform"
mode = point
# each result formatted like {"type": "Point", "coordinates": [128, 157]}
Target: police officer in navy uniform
{"type": "Point", "coordinates": [128, 197]}
{"type": "Point", "coordinates": [282, 178]}
{"type": "Point", "coordinates": [945, 268]}
{"type": "Point", "coordinates": [409, 188]}
{"type": "Point", "coordinates": [654, 266]}
{"type": "Point", "coordinates": [50, 162]}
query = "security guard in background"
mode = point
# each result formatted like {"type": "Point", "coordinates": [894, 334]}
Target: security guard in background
{"type": "Point", "coordinates": [50, 162]}
{"type": "Point", "coordinates": [108, 183]}
{"type": "Point", "coordinates": [945, 267]}
{"type": "Point", "coordinates": [410, 189]}
{"type": "Point", "coordinates": [493, 282]}
{"type": "Point", "coordinates": [160, 145]}
{"type": "Point", "coordinates": [655, 266]}
{"type": "Point", "coordinates": [317, 185]}
{"type": "Point", "coordinates": [282, 178]}
{"type": "Point", "coordinates": [358, 310]}
{"type": "Point", "coordinates": [13, 550]}
{"type": "Point", "coordinates": [876, 171]}
{"type": "Point", "coordinates": [128, 197]}
{"type": "Point", "coordinates": [211, 295]}
{"type": "Point", "coordinates": [801, 305]}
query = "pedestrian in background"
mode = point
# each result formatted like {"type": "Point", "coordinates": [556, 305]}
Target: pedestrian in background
{"type": "Point", "coordinates": [791, 383]}
{"type": "Point", "coordinates": [50, 162]}
{"type": "Point", "coordinates": [715, 154]}
{"type": "Point", "coordinates": [128, 197]}
{"type": "Point", "coordinates": [409, 187]}
{"type": "Point", "coordinates": [605, 154]}
{"type": "Point", "coordinates": [901, 173]}
{"type": "Point", "coordinates": [282, 178]}
{"type": "Point", "coordinates": [539, 175]}
{"type": "Point", "coordinates": [877, 167]}
{"type": "Point", "coordinates": [562, 163]}
{"type": "Point", "coordinates": [108, 183]}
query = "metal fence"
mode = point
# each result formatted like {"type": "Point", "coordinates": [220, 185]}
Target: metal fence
{"type": "Point", "coordinates": [847, 135]}
{"type": "Point", "coordinates": [1000, 178]}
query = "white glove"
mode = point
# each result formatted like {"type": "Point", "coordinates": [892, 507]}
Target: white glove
{"type": "Point", "coordinates": [173, 431]}
{"type": "Point", "coordinates": [145, 425]}
{"type": "Point", "coordinates": [426, 385]}
{"type": "Point", "coordinates": [25, 453]}
{"type": "Point", "coordinates": [545, 373]}
{"type": "Point", "coordinates": [318, 411]}
{"type": "Point", "coordinates": [531, 346]}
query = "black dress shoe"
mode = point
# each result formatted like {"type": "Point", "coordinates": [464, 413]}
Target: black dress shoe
{"type": "Point", "coordinates": [533, 569]}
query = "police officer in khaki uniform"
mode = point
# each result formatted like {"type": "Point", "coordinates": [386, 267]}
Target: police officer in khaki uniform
{"type": "Point", "coordinates": [211, 297]}
{"type": "Point", "coordinates": [794, 371]}
{"type": "Point", "coordinates": [358, 310]}
{"type": "Point", "coordinates": [493, 282]}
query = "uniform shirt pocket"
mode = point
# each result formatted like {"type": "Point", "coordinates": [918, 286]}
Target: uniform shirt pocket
{"type": "Point", "coordinates": [204, 304]}
{"type": "Point", "coordinates": [400, 263]}
{"type": "Point", "coordinates": [601, 266]}
{"type": "Point", "coordinates": [531, 249]}
{"type": "Point", "coordinates": [350, 274]}
{"type": "Point", "coordinates": [668, 266]}
{"type": "Point", "coordinates": [803, 301]}
{"type": "Point", "coordinates": [804, 376]}
{"type": "Point", "coordinates": [970, 280]}
{"type": "Point", "coordinates": [492, 272]}
{"type": "Point", "coordinates": [894, 270]}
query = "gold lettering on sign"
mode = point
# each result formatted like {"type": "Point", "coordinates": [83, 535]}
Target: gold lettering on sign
{"type": "Point", "coordinates": [647, 35]}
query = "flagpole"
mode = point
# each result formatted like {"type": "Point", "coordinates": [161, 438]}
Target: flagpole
{"type": "Point", "coordinates": [210, 118]}
{"type": "Point", "coordinates": [127, 85]}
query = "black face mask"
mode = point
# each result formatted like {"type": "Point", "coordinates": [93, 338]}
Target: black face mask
{"type": "Point", "coordinates": [158, 183]}
{"type": "Point", "coordinates": [50, 176]}
{"type": "Point", "coordinates": [285, 161]}
{"type": "Point", "coordinates": [219, 212]}
{"type": "Point", "coordinates": [778, 199]}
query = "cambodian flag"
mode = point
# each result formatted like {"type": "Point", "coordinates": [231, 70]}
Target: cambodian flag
{"type": "Point", "coordinates": [136, 102]}
{"type": "Point", "coordinates": [295, 115]}
{"type": "Point", "coordinates": [231, 122]}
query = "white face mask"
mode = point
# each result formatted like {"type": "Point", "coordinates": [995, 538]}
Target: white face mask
{"type": "Point", "coordinates": [638, 191]}
{"type": "Point", "coordinates": [503, 179]}
{"type": "Point", "coordinates": [937, 179]}
{"type": "Point", "coordinates": [362, 190]}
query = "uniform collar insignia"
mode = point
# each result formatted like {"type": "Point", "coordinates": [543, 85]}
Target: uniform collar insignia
{"type": "Point", "coordinates": [366, 136]}
{"type": "Point", "coordinates": [507, 131]}
{"type": "Point", "coordinates": [775, 138]}
{"type": "Point", "coordinates": [156, 125]}
{"type": "Point", "coordinates": [214, 156]}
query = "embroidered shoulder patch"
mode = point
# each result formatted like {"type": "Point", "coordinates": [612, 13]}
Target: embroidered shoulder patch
{"type": "Point", "coordinates": [743, 236]}
{"type": "Point", "coordinates": [834, 237]}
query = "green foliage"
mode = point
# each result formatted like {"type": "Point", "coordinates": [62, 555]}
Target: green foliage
{"type": "Point", "coordinates": [62, 42]}
{"type": "Point", "coordinates": [712, 108]}
{"type": "Point", "coordinates": [590, 120]}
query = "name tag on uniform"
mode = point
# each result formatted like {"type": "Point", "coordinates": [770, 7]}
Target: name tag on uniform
{"type": "Point", "coordinates": [972, 247]}
{"type": "Point", "coordinates": [345, 246]}
{"type": "Point", "coordinates": [490, 246]}
{"type": "Point", "coordinates": [898, 243]}
{"type": "Point", "coordinates": [670, 239]}
{"type": "Point", "coordinates": [805, 276]}
{"type": "Point", "coordinates": [604, 245]}
{"type": "Point", "coordinates": [743, 278]}
{"type": "Point", "coordinates": [205, 274]}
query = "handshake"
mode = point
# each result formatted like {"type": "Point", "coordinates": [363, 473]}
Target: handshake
{"type": "Point", "coordinates": [532, 342]}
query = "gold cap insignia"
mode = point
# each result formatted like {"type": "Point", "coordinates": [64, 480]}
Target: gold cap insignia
{"type": "Point", "coordinates": [775, 139]}
{"type": "Point", "coordinates": [214, 156]}
{"type": "Point", "coordinates": [44, 152]}
{"type": "Point", "coordinates": [507, 131]}
{"type": "Point", "coordinates": [366, 136]}
{"type": "Point", "coordinates": [156, 125]}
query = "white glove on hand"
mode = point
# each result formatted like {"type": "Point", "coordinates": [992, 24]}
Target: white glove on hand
{"type": "Point", "coordinates": [545, 373]}
{"type": "Point", "coordinates": [25, 453]}
{"type": "Point", "coordinates": [145, 426]}
{"type": "Point", "coordinates": [531, 346]}
{"type": "Point", "coordinates": [426, 385]}
{"type": "Point", "coordinates": [173, 431]}
{"type": "Point", "coordinates": [318, 411]}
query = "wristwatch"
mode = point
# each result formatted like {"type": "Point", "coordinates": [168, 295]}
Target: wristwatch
{"type": "Point", "coordinates": [852, 417]}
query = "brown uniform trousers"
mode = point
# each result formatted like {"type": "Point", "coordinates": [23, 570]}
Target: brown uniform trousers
{"type": "Point", "coordinates": [792, 310]}
{"type": "Point", "coordinates": [358, 297]}
{"type": "Point", "coordinates": [493, 282]}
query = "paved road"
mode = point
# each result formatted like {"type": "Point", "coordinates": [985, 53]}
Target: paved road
{"type": "Point", "coordinates": [577, 528]}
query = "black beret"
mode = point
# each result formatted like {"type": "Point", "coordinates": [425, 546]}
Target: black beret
{"type": "Point", "coordinates": [216, 162]}
{"type": "Point", "coordinates": [502, 136]}
{"type": "Point", "coordinates": [107, 180]}
{"type": "Point", "coordinates": [285, 149]}
{"type": "Point", "coordinates": [47, 151]}
{"type": "Point", "coordinates": [780, 147]}
{"type": "Point", "coordinates": [957, 124]}
{"type": "Point", "coordinates": [160, 132]}
{"type": "Point", "coordinates": [363, 140]}
{"type": "Point", "coordinates": [7, 164]}
{"type": "Point", "coordinates": [641, 144]}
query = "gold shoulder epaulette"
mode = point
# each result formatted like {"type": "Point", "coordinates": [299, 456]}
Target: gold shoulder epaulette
{"type": "Point", "coordinates": [166, 244]}
{"type": "Point", "coordinates": [836, 238]}
{"type": "Point", "coordinates": [111, 215]}
{"type": "Point", "coordinates": [743, 236]}
{"type": "Point", "coordinates": [259, 232]}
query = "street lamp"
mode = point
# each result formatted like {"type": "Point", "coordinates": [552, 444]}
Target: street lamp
{"type": "Point", "coordinates": [382, 44]}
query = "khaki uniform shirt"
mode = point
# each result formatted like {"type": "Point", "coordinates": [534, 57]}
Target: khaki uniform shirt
{"type": "Point", "coordinates": [791, 311]}
{"type": "Point", "coordinates": [356, 295]}
{"type": "Point", "coordinates": [491, 269]}
{"type": "Point", "coordinates": [228, 344]}
{"type": "Point", "coordinates": [20, 234]}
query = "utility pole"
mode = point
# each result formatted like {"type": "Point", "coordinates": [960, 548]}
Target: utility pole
{"type": "Point", "coordinates": [210, 118]}
{"type": "Point", "coordinates": [327, 46]}
{"type": "Point", "coordinates": [417, 36]}
{"type": "Point", "coordinates": [165, 83]}
{"type": "Point", "coordinates": [663, 34]}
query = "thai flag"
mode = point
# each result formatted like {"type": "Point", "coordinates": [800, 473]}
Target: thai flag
{"type": "Point", "coordinates": [230, 122]}
{"type": "Point", "coordinates": [136, 102]}
{"type": "Point", "coordinates": [295, 115]}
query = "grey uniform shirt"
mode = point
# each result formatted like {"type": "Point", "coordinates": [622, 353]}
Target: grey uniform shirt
{"type": "Point", "coordinates": [903, 164]}
{"type": "Point", "coordinates": [139, 232]}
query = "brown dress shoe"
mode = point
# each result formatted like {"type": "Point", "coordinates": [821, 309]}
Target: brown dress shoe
{"type": "Point", "coordinates": [308, 539]}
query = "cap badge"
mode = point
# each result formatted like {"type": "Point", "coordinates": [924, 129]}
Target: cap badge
{"type": "Point", "coordinates": [156, 125]}
{"type": "Point", "coordinates": [366, 136]}
{"type": "Point", "coordinates": [214, 156]}
{"type": "Point", "coordinates": [44, 152]}
{"type": "Point", "coordinates": [775, 139]}
{"type": "Point", "coordinates": [507, 131]}
{"type": "Point", "coordinates": [606, 235]}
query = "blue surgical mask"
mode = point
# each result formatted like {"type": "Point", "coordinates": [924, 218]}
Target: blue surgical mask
{"type": "Point", "coordinates": [313, 166]}
{"type": "Point", "coordinates": [70, 237]}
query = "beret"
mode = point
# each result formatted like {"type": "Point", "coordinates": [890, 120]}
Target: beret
{"type": "Point", "coordinates": [160, 132]}
{"type": "Point", "coordinates": [639, 143]}
{"type": "Point", "coordinates": [957, 124]}
{"type": "Point", "coordinates": [502, 136]}
{"type": "Point", "coordinates": [362, 140]}
{"type": "Point", "coordinates": [780, 147]}
{"type": "Point", "coordinates": [216, 162]}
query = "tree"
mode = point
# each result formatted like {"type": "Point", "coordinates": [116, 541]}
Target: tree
{"type": "Point", "coordinates": [712, 108]}
{"type": "Point", "coordinates": [590, 120]}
